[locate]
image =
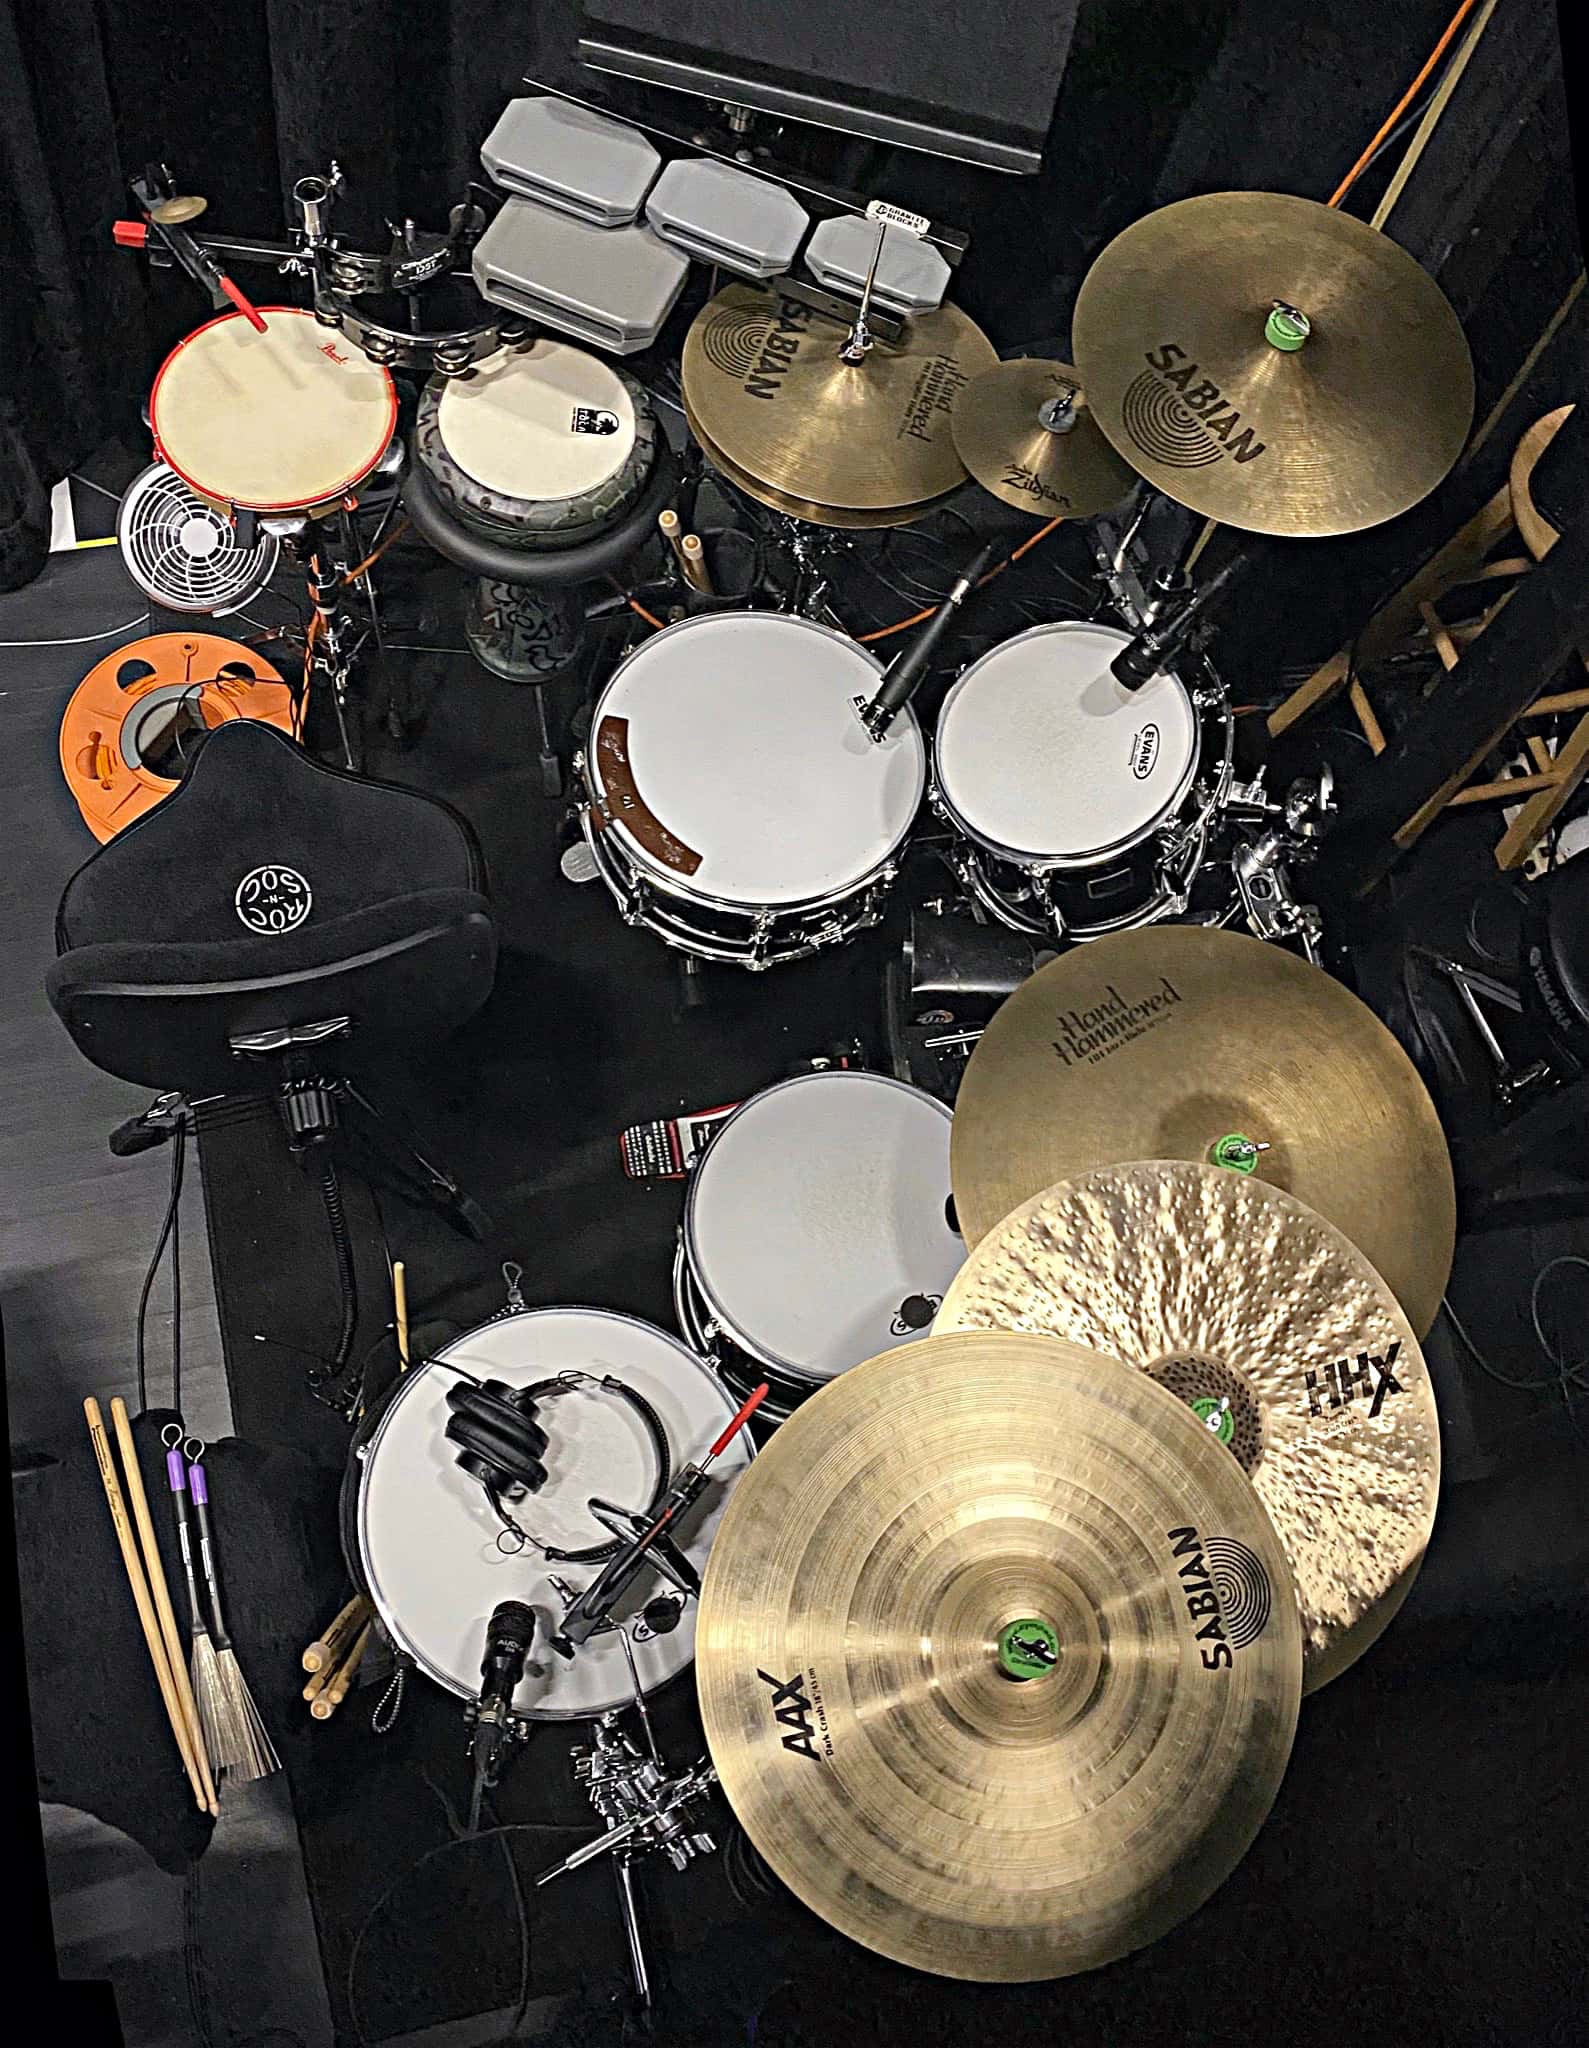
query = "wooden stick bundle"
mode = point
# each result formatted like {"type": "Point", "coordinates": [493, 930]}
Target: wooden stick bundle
{"type": "Point", "coordinates": [327, 1649]}
{"type": "Point", "coordinates": [332, 1687]}
{"type": "Point", "coordinates": [187, 1741]}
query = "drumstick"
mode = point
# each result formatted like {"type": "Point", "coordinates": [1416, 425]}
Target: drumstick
{"type": "Point", "coordinates": [332, 1695]}
{"type": "Point", "coordinates": [323, 1650]}
{"type": "Point", "coordinates": [695, 564]}
{"type": "Point", "coordinates": [672, 533]}
{"type": "Point", "coordinates": [162, 1596]}
{"type": "Point", "coordinates": [140, 1592]}
{"type": "Point", "coordinates": [400, 1299]}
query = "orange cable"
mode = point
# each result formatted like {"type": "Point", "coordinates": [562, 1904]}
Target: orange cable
{"type": "Point", "coordinates": [369, 561]}
{"type": "Point", "coordinates": [1404, 102]}
{"type": "Point", "coordinates": [916, 618]}
{"type": "Point", "coordinates": [650, 618]}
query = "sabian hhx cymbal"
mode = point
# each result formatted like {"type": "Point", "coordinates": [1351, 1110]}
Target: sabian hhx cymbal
{"type": "Point", "coordinates": [764, 378]}
{"type": "Point", "coordinates": [1167, 1042]}
{"type": "Point", "coordinates": [998, 1657]}
{"type": "Point", "coordinates": [1273, 363]}
{"type": "Point", "coordinates": [1278, 1335]}
{"type": "Point", "coordinates": [1026, 433]}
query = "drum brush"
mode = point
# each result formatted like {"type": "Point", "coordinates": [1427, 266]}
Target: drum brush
{"type": "Point", "coordinates": [903, 676]}
{"type": "Point", "coordinates": [650, 1540]}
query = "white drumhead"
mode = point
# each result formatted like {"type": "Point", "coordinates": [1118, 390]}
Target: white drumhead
{"type": "Point", "coordinates": [817, 1225]}
{"type": "Point", "coordinates": [753, 780]}
{"type": "Point", "coordinates": [427, 1533]}
{"type": "Point", "coordinates": [272, 421]}
{"type": "Point", "coordinates": [1040, 753]}
{"type": "Point", "coordinates": [543, 422]}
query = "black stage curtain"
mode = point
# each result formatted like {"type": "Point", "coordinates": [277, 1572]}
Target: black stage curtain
{"type": "Point", "coordinates": [241, 101]}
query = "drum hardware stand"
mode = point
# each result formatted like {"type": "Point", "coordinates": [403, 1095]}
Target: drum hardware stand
{"type": "Point", "coordinates": [1262, 866]}
{"type": "Point", "coordinates": [645, 1809]}
{"type": "Point", "coordinates": [1511, 1086]}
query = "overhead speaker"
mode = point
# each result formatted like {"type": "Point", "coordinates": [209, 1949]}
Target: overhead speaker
{"type": "Point", "coordinates": [182, 553]}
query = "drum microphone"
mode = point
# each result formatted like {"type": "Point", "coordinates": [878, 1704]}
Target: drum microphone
{"type": "Point", "coordinates": [904, 673]}
{"type": "Point", "coordinates": [497, 1729]}
{"type": "Point", "coordinates": [1142, 658]}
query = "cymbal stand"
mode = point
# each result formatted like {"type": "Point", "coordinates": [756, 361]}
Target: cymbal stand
{"type": "Point", "coordinates": [645, 1809]}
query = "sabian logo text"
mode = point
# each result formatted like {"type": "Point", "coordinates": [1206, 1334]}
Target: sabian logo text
{"type": "Point", "coordinates": [1181, 418]}
{"type": "Point", "coordinates": [1227, 1593]}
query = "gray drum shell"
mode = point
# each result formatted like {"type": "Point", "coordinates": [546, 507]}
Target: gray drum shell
{"type": "Point", "coordinates": [535, 522]}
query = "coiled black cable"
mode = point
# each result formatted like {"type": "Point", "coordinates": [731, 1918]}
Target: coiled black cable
{"type": "Point", "coordinates": [336, 1218]}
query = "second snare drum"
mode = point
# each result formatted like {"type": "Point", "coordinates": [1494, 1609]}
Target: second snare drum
{"type": "Point", "coordinates": [818, 1232]}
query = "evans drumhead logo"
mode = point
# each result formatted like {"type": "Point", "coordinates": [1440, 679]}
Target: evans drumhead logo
{"type": "Point", "coordinates": [1181, 419]}
{"type": "Point", "coordinates": [1227, 1593]}
{"type": "Point", "coordinates": [802, 1713]}
{"type": "Point", "coordinates": [1144, 752]}
{"type": "Point", "coordinates": [272, 899]}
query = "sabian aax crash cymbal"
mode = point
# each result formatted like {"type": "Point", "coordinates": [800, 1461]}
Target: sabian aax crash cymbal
{"type": "Point", "coordinates": [764, 378]}
{"type": "Point", "coordinates": [1282, 1340]}
{"type": "Point", "coordinates": [1273, 363]}
{"type": "Point", "coordinates": [1026, 433]}
{"type": "Point", "coordinates": [1183, 1041]}
{"type": "Point", "coordinates": [998, 1657]}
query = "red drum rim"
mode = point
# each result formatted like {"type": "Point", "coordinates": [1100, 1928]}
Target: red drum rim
{"type": "Point", "coordinates": [204, 490]}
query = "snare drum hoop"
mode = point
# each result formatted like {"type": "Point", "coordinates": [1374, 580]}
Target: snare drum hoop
{"type": "Point", "coordinates": [380, 1600]}
{"type": "Point", "coordinates": [690, 1251]}
{"type": "Point", "coordinates": [658, 874]}
{"type": "Point", "coordinates": [1043, 864]}
{"type": "Point", "coordinates": [326, 497]}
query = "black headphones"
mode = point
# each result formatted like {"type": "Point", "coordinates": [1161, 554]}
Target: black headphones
{"type": "Point", "coordinates": [500, 1443]}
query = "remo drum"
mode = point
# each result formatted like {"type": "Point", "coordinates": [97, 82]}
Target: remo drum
{"type": "Point", "coordinates": [736, 806]}
{"type": "Point", "coordinates": [1082, 807]}
{"type": "Point", "coordinates": [276, 422]}
{"type": "Point", "coordinates": [422, 1537]}
{"type": "Point", "coordinates": [818, 1231]}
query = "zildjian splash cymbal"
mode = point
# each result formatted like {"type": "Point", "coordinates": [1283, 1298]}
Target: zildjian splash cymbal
{"type": "Point", "coordinates": [1026, 433]}
{"type": "Point", "coordinates": [802, 508]}
{"type": "Point", "coordinates": [1278, 1335]}
{"type": "Point", "coordinates": [1274, 364]}
{"type": "Point", "coordinates": [764, 378]}
{"type": "Point", "coordinates": [1169, 1042]}
{"type": "Point", "coordinates": [998, 1657]}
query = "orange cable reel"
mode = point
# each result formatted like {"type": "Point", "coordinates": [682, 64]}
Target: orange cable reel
{"type": "Point", "coordinates": [122, 736]}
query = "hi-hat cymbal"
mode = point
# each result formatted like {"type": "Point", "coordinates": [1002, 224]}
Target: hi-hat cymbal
{"type": "Point", "coordinates": [1026, 433]}
{"type": "Point", "coordinates": [1172, 332]}
{"type": "Point", "coordinates": [930, 1525]}
{"type": "Point", "coordinates": [1161, 1043]}
{"type": "Point", "coordinates": [763, 377]}
{"type": "Point", "coordinates": [1278, 1335]}
{"type": "Point", "coordinates": [803, 508]}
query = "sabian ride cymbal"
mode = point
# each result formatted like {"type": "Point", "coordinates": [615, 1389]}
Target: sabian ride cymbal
{"type": "Point", "coordinates": [802, 508]}
{"type": "Point", "coordinates": [1172, 329]}
{"type": "Point", "coordinates": [1161, 1043]}
{"type": "Point", "coordinates": [1026, 433]}
{"type": "Point", "coordinates": [927, 1526]}
{"type": "Point", "coordinates": [1280, 1337]}
{"type": "Point", "coordinates": [763, 377]}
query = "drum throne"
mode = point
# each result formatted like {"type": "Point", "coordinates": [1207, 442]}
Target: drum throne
{"type": "Point", "coordinates": [279, 927]}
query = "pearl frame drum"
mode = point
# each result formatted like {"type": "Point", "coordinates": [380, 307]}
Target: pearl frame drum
{"type": "Point", "coordinates": [818, 1231]}
{"type": "Point", "coordinates": [735, 805]}
{"type": "Point", "coordinates": [423, 1540]}
{"type": "Point", "coordinates": [1078, 807]}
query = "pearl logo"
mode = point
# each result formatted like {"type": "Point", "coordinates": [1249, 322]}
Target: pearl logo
{"type": "Point", "coordinates": [272, 899]}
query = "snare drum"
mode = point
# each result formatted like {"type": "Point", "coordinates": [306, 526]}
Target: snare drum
{"type": "Point", "coordinates": [1080, 807]}
{"type": "Point", "coordinates": [422, 1539]}
{"type": "Point", "coordinates": [736, 806]}
{"type": "Point", "coordinates": [281, 421]}
{"type": "Point", "coordinates": [542, 447]}
{"type": "Point", "coordinates": [818, 1232]}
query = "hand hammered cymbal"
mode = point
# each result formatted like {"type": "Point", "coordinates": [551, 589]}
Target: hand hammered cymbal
{"type": "Point", "coordinates": [931, 1523]}
{"type": "Point", "coordinates": [764, 378]}
{"type": "Point", "coordinates": [1277, 1334]}
{"type": "Point", "coordinates": [802, 508]}
{"type": "Point", "coordinates": [1157, 1044]}
{"type": "Point", "coordinates": [1026, 433]}
{"type": "Point", "coordinates": [1172, 332]}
